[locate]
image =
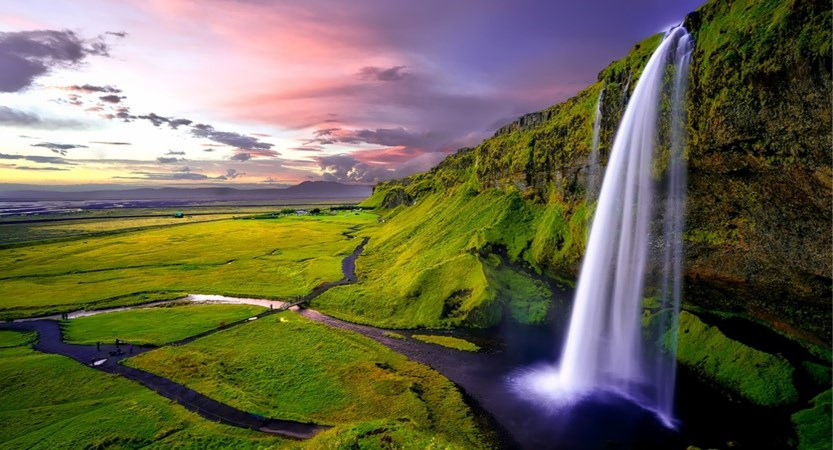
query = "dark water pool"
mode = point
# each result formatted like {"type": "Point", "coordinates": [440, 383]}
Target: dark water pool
{"type": "Point", "coordinates": [708, 417]}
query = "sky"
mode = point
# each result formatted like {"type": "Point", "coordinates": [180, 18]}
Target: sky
{"type": "Point", "coordinates": [270, 93]}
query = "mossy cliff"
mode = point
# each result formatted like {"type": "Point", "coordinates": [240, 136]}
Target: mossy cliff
{"type": "Point", "coordinates": [759, 189]}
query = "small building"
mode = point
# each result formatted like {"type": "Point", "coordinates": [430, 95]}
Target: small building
{"type": "Point", "coordinates": [178, 215]}
{"type": "Point", "coordinates": [301, 212]}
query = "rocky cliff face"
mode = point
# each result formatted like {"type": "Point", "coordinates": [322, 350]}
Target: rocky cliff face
{"type": "Point", "coordinates": [758, 229]}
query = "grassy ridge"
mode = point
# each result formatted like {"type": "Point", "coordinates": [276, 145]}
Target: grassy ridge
{"type": "Point", "coordinates": [155, 326]}
{"type": "Point", "coordinates": [48, 401]}
{"type": "Point", "coordinates": [286, 366]}
{"type": "Point", "coordinates": [273, 258]}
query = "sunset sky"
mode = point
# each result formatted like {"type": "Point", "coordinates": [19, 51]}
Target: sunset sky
{"type": "Point", "coordinates": [260, 93]}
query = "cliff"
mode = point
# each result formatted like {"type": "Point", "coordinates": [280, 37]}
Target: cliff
{"type": "Point", "coordinates": [759, 193]}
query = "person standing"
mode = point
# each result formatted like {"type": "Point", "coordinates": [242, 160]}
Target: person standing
{"type": "Point", "coordinates": [98, 346]}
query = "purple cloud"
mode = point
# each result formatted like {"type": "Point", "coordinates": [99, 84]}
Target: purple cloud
{"type": "Point", "coordinates": [27, 55]}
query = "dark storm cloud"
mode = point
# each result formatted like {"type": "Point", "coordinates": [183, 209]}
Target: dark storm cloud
{"type": "Point", "coordinates": [14, 117]}
{"type": "Point", "coordinates": [377, 73]}
{"type": "Point", "coordinates": [60, 149]}
{"type": "Point", "coordinates": [37, 159]}
{"type": "Point", "coordinates": [27, 55]}
{"type": "Point", "coordinates": [112, 98]}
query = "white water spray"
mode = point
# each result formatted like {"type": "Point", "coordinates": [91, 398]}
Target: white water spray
{"type": "Point", "coordinates": [606, 349]}
{"type": "Point", "coordinates": [593, 168]}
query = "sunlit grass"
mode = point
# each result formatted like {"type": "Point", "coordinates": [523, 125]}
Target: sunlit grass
{"type": "Point", "coordinates": [155, 326]}
{"type": "Point", "coordinates": [273, 258]}
{"type": "Point", "coordinates": [49, 401]}
{"type": "Point", "coordinates": [286, 366]}
{"type": "Point", "coordinates": [429, 265]}
{"type": "Point", "coordinates": [447, 341]}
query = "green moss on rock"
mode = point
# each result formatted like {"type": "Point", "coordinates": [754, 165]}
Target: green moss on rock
{"type": "Point", "coordinates": [758, 376]}
{"type": "Point", "coordinates": [813, 425]}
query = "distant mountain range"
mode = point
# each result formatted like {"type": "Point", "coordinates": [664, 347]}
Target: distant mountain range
{"type": "Point", "coordinates": [312, 190]}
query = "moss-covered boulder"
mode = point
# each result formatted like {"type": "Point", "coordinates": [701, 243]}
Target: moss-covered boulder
{"type": "Point", "coordinates": [757, 376]}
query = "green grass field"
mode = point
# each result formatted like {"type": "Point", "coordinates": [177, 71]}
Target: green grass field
{"type": "Point", "coordinates": [155, 326]}
{"type": "Point", "coordinates": [49, 401]}
{"type": "Point", "coordinates": [271, 258]}
{"type": "Point", "coordinates": [447, 341]}
{"type": "Point", "coordinates": [286, 366]}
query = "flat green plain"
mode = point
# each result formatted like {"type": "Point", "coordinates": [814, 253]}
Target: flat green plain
{"type": "Point", "coordinates": [155, 326]}
{"type": "Point", "coordinates": [49, 401]}
{"type": "Point", "coordinates": [272, 258]}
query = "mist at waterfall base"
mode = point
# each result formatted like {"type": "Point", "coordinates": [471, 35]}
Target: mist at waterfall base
{"type": "Point", "coordinates": [618, 344]}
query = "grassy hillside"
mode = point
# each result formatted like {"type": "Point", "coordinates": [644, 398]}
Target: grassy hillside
{"type": "Point", "coordinates": [431, 265]}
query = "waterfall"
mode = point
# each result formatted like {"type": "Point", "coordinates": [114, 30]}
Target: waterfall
{"type": "Point", "coordinates": [593, 168]}
{"type": "Point", "coordinates": [634, 250]}
{"type": "Point", "coordinates": [624, 97]}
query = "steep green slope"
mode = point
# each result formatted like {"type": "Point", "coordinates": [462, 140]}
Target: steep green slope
{"type": "Point", "coordinates": [759, 216]}
{"type": "Point", "coordinates": [430, 265]}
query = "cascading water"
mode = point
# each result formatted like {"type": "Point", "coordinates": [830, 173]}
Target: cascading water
{"type": "Point", "coordinates": [607, 348]}
{"type": "Point", "coordinates": [593, 169]}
